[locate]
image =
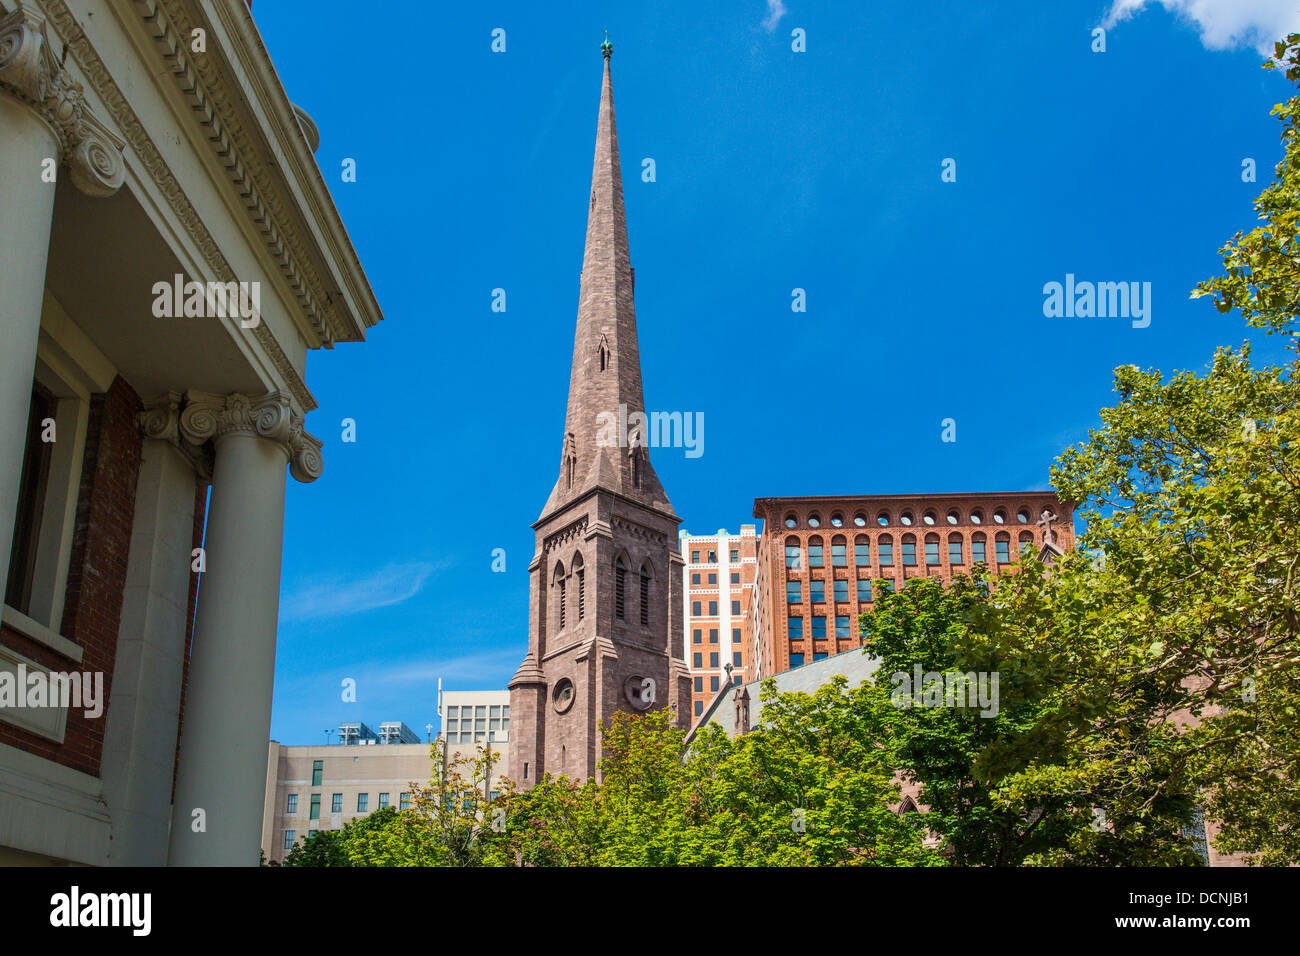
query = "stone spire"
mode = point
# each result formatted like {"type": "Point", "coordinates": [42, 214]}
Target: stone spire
{"type": "Point", "coordinates": [605, 428]}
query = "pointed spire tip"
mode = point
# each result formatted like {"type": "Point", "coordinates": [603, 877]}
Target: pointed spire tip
{"type": "Point", "coordinates": [606, 48]}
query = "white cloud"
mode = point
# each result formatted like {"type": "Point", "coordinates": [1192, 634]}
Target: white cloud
{"type": "Point", "coordinates": [775, 11]}
{"type": "Point", "coordinates": [1223, 24]}
{"type": "Point", "coordinates": [339, 597]}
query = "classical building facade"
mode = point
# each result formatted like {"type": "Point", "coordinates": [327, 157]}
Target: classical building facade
{"type": "Point", "coordinates": [605, 612]}
{"type": "Point", "coordinates": [819, 558]}
{"type": "Point", "coordinates": [718, 582]}
{"type": "Point", "coordinates": [169, 253]}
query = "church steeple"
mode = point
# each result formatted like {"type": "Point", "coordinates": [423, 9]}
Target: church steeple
{"type": "Point", "coordinates": [605, 622]}
{"type": "Point", "coordinates": [605, 427]}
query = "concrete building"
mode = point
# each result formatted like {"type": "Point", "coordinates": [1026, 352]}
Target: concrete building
{"type": "Point", "coordinates": [605, 613]}
{"type": "Point", "coordinates": [170, 253]}
{"type": "Point", "coordinates": [818, 558]}
{"type": "Point", "coordinates": [324, 786]}
{"type": "Point", "coordinates": [472, 719]}
{"type": "Point", "coordinates": [718, 580]}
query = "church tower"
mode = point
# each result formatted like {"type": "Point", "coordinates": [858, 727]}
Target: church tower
{"type": "Point", "coordinates": [605, 598]}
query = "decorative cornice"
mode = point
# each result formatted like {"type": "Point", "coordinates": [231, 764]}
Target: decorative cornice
{"type": "Point", "coordinates": [29, 72]}
{"type": "Point", "coordinates": [161, 420]}
{"type": "Point", "coordinates": [209, 416]}
{"type": "Point", "coordinates": [204, 88]}
{"type": "Point", "coordinates": [638, 530]}
{"type": "Point", "coordinates": [152, 163]}
{"type": "Point", "coordinates": [565, 534]}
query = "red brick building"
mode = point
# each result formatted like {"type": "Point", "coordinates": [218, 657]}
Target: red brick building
{"type": "Point", "coordinates": [819, 558]}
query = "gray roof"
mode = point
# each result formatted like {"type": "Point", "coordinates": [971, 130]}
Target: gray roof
{"type": "Point", "coordinates": [853, 664]}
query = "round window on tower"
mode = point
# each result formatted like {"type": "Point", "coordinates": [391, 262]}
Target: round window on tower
{"type": "Point", "coordinates": [562, 696]}
{"type": "Point", "coordinates": [640, 692]}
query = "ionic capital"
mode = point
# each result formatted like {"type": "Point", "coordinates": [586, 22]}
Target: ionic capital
{"type": "Point", "coordinates": [161, 420]}
{"type": "Point", "coordinates": [206, 415]}
{"type": "Point", "coordinates": [30, 72]}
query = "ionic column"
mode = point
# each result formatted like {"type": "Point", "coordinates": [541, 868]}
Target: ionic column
{"type": "Point", "coordinates": [43, 121]}
{"type": "Point", "coordinates": [227, 720]}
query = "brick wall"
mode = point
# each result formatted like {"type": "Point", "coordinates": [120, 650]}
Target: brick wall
{"type": "Point", "coordinates": [101, 543]}
{"type": "Point", "coordinates": [876, 519]}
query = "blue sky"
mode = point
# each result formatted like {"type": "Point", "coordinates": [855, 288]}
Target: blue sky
{"type": "Point", "coordinates": [774, 170]}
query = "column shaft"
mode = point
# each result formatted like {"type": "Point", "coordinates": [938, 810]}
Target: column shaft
{"type": "Point", "coordinates": [26, 209]}
{"type": "Point", "coordinates": [227, 721]}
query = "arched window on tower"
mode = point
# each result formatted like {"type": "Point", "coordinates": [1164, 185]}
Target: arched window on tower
{"type": "Point", "coordinates": [620, 588]}
{"type": "Point", "coordinates": [604, 354]}
{"type": "Point", "coordinates": [645, 594]}
{"type": "Point", "coordinates": [570, 459]}
{"type": "Point", "coordinates": [558, 589]}
{"type": "Point", "coordinates": [581, 583]}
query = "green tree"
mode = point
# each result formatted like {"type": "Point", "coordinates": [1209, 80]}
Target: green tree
{"type": "Point", "coordinates": [1172, 655]}
{"type": "Point", "coordinates": [318, 848]}
{"type": "Point", "coordinates": [1001, 784]}
{"type": "Point", "coordinates": [813, 785]}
